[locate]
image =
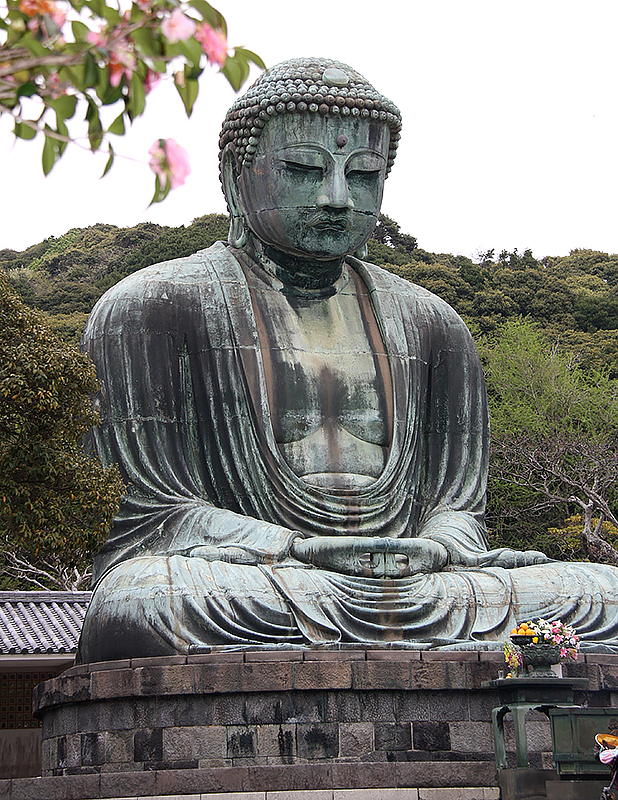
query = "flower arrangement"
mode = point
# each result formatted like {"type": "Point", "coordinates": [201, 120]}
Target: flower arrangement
{"type": "Point", "coordinates": [539, 638]}
{"type": "Point", "coordinates": [556, 632]}
{"type": "Point", "coordinates": [513, 658]}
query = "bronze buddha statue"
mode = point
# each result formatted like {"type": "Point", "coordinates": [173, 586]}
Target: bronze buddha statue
{"type": "Point", "coordinates": [304, 436]}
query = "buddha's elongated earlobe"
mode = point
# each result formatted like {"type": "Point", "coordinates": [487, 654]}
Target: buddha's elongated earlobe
{"type": "Point", "coordinates": [362, 252]}
{"type": "Point", "coordinates": [237, 235]}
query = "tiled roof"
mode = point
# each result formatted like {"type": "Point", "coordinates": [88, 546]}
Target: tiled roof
{"type": "Point", "coordinates": [41, 622]}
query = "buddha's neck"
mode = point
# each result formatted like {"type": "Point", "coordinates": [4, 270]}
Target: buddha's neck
{"type": "Point", "coordinates": [294, 272]}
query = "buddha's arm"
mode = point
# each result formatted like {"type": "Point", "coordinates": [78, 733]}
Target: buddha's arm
{"type": "Point", "coordinates": [462, 537]}
{"type": "Point", "coordinates": [456, 441]}
{"type": "Point", "coordinates": [170, 422]}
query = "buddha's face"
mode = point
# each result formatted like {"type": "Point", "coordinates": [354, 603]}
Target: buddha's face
{"type": "Point", "coordinates": [314, 188]}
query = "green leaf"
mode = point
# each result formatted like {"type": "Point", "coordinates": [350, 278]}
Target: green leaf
{"type": "Point", "coordinates": [210, 14]}
{"type": "Point", "coordinates": [117, 127]}
{"type": "Point", "coordinates": [91, 72]}
{"type": "Point", "coordinates": [244, 68]}
{"type": "Point", "coordinates": [137, 97]}
{"type": "Point", "coordinates": [249, 55]}
{"type": "Point", "coordinates": [106, 93]}
{"type": "Point", "coordinates": [101, 9]}
{"type": "Point", "coordinates": [64, 106]}
{"type": "Point", "coordinates": [95, 129]}
{"type": "Point", "coordinates": [35, 48]}
{"type": "Point", "coordinates": [188, 92]}
{"type": "Point", "coordinates": [192, 50]}
{"type": "Point", "coordinates": [80, 31]}
{"type": "Point", "coordinates": [24, 131]}
{"type": "Point", "coordinates": [160, 193]}
{"type": "Point", "coordinates": [147, 43]}
{"type": "Point", "coordinates": [63, 131]}
{"type": "Point", "coordinates": [27, 89]}
{"type": "Point", "coordinates": [233, 73]}
{"type": "Point", "coordinates": [50, 153]}
{"type": "Point", "coordinates": [110, 161]}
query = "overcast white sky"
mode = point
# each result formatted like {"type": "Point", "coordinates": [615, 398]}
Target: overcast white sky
{"type": "Point", "coordinates": [510, 124]}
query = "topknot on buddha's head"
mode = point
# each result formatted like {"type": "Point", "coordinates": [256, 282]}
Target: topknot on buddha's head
{"type": "Point", "coordinates": [306, 86]}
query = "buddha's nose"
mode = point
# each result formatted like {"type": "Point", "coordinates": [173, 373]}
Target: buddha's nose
{"type": "Point", "coordinates": [335, 192]}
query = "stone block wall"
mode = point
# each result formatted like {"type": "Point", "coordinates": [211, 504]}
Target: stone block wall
{"type": "Point", "coordinates": [357, 712]}
{"type": "Point", "coordinates": [357, 724]}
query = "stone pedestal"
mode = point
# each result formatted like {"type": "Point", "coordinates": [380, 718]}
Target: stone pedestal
{"type": "Point", "coordinates": [264, 722]}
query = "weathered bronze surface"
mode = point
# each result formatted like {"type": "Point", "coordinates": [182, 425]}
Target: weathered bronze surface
{"type": "Point", "coordinates": [304, 436]}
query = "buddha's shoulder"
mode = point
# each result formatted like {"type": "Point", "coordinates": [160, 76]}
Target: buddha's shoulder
{"type": "Point", "coordinates": [417, 297]}
{"type": "Point", "coordinates": [173, 279]}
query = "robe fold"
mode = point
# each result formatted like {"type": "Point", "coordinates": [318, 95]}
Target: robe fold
{"type": "Point", "coordinates": [185, 414]}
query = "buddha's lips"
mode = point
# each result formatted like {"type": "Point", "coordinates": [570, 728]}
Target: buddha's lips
{"type": "Point", "coordinates": [326, 222]}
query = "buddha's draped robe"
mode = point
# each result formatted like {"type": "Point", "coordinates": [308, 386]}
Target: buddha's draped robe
{"type": "Point", "coordinates": [185, 415]}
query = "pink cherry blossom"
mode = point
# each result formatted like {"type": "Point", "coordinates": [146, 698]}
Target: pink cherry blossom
{"type": "Point", "coordinates": [213, 42]}
{"type": "Point", "coordinates": [168, 160]}
{"type": "Point", "coordinates": [177, 27]}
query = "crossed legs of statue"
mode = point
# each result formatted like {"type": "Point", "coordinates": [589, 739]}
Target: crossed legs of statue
{"type": "Point", "coordinates": [167, 605]}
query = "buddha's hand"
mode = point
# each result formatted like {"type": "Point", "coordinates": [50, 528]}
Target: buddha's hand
{"type": "Point", "coordinates": [371, 557]}
{"type": "Point", "coordinates": [510, 559]}
{"type": "Point", "coordinates": [229, 554]}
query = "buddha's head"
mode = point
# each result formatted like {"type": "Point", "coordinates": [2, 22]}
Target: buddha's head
{"type": "Point", "coordinates": [304, 156]}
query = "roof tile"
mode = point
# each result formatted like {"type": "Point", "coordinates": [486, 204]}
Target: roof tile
{"type": "Point", "coordinates": [41, 622]}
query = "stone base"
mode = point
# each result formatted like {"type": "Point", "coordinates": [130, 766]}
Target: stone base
{"type": "Point", "coordinates": [334, 723]}
{"type": "Point", "coordinates": [575, 790]}
{"type": "Point", "coordinates": [83, 788]}
{"type": "Point", "coordinates": [276, 784]}
{"type": "Point", "coordinates": [525, 784]}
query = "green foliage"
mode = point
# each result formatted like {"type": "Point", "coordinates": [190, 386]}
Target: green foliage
{"type": "Point", "coordinates": [554, 439]}
{"type": "Point", "coordinates": [537, 387]}
{"type": "Point", "coordinates": [65, 276]}
{"type": "Point", "coordinates": [565, 542]}
{"type": "Point", "coordinates": [177, 242]}
{"type": "Point", "coordinates": [54, 500]}
{"type": "Point", "coordinates": [111, 56]}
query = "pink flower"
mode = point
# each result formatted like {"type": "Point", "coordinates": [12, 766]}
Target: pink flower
{"type": "Point", "coordinates": [177, 27]}
{"type": "Point", "coordinates": [55, 86]}
{"type": "Point", "coordinates": [168, 160]}
{"type": "Point", "coordinates": [213, 42]}
{"type": "Point", "coordinates": [143, 5]}
{"type": "Point", "coordinates": [122, 62]}
{"type": "Point", "coordinates": [96, 38]}
{"type": "Point", "coordinates": [59, 17]}
{"type": "Point", "coordinates": [151, 80]}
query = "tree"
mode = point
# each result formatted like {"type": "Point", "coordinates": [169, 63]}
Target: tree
{"type": "Point", "coordinates": [105, 62]}
{"type": "Point", "coordinates": [554, 431]}
{"type": "Point", "coordinates": [56, 502]}
{"type": "Point", "coordinates": [388, 232]}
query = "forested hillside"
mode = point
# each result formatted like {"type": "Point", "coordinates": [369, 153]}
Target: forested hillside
{"type": "Point", "coordinates": [547, 331]}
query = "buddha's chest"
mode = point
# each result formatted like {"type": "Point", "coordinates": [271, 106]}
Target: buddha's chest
{"type": "Point", "coordinates": [328, 385]}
